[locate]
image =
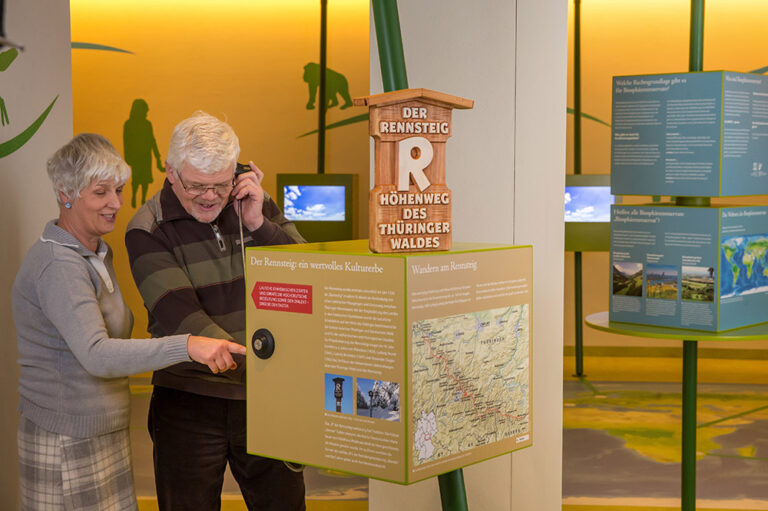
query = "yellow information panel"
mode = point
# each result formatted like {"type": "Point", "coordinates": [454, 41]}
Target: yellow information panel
{"type": "Point", "coordinates": [397, 367]}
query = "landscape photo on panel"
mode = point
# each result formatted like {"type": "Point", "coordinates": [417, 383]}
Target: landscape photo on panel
{"type": "Point", "coordinates": [698, 283]}
{"type": "Point", "coordinates": [314, 203]}
{"type": "Point", "coordinates": [378, 399]}
{"type": "Point", "coordinates": [744, 265]}
{"type": "Point", "coordinates": [628, 279]}
{"type": "Point", "coordinates": [661, 281]}
{"type": "Point", "coordinates": [470, 375]}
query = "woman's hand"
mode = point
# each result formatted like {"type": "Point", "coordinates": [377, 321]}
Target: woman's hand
{"type": "Point", "coordinates": [215, 353]}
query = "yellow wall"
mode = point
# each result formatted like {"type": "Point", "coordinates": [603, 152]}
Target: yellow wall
{"type": "Point", "coordinates": [622, 38]}
{"type": "Point", "coordinates": [240, 60]}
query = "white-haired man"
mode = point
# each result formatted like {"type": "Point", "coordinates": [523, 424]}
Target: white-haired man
{"type": "Point", "coordinates": [186, 259]}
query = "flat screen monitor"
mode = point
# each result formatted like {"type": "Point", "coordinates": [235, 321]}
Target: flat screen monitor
{"type": "Point", "coordinates": [314, 203]}
{"type": "Point", "coordinates": [588, 202]}
{"type": "Point", "coordinates": [321, 205]}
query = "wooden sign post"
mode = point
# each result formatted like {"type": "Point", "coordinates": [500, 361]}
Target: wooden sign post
{"type": "Point", "coordinates": [410, 204]}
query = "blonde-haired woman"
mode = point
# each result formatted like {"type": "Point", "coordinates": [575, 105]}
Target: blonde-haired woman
{"type": "Point", "coordinates": [72, 324]}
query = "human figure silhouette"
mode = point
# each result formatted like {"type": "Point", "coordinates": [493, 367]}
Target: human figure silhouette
{"type": "Point", "coordinates": [138, 146]}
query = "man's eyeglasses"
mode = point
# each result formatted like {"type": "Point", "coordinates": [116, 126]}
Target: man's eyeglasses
{"type": "Point", "coordinates": [221, 189]}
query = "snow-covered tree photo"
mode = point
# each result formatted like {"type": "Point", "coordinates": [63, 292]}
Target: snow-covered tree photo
{"type": "Point", "coordinates": [378, 399]}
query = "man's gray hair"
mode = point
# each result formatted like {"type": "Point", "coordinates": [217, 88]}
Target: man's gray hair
{"type": "Point", "coordinates": [205, 142]}
{"type": "Point", "coordinates": [86, 157]}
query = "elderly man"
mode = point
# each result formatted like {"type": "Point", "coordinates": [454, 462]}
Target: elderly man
{"type": "Point", "coordinates": [186, 259]}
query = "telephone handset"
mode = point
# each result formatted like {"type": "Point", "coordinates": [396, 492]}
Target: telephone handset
{"type": "Point", "coordinates": [241, 168]}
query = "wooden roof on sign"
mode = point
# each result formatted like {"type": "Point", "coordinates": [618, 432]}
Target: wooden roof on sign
{"type": "Point", "coordinates": [399, 96]}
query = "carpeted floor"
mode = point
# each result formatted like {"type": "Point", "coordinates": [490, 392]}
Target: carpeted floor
{"type": "Point", "coordinates": [326, 490]}
{"type": "Point", "coordinates": [621, 431]}
{"type": "Point", "coordinates": [621, 436]}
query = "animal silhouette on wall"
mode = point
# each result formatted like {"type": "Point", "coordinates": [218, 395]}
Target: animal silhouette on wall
{"type": "Point", "coordinates": [335, 85]}
{"type": "Point", "coordinates": [138, 146]}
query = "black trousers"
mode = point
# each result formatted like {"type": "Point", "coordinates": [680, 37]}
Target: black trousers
{"type": "Point", "coordinates": [194, 437]}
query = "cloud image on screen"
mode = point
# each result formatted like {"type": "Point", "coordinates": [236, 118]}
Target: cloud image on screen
{"type": "Point", "coordinates": [588, 203]}
{"type": "Point", "coordinates": [314, 203]}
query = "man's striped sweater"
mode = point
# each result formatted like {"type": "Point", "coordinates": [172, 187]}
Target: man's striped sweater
{"type": "Point", "coordinates": [190, 276]}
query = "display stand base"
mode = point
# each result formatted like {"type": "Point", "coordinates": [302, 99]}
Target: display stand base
{"type": "Point", "coordinates": [690, 340]}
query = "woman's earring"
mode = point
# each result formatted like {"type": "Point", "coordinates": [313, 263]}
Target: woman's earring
{"type": "Point", "coordinates": [68, 205]}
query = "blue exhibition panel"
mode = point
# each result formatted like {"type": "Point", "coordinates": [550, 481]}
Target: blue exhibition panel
{"type": "Point", "coordinates": [689, 267]}
{"type": "Point", "coordinates": [690, 134]}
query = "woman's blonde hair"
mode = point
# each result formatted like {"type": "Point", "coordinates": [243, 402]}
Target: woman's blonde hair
{"type": "Point", "coordinates": [86, 157]}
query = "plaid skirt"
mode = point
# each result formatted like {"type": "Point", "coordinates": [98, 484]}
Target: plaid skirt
{"type": "Point", "coordinates": [58, 472]}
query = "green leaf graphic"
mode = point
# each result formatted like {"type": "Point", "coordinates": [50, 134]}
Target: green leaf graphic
{"type": "Point", "coordinates": [22, 138]}
{"type": "Point", "coordinates": [94, 46]}
{"type": "Point", "coordinates": [7, 57]}
{"type": "Point", "coordinates": [345, 122]}
{"type": "Point", "coordinates": [587, 116]}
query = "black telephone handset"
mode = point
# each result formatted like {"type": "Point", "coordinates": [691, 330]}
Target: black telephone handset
{"type": "Point", "coordinates": [241, 168]}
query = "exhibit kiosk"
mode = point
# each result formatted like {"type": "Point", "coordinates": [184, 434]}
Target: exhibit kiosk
{"type": "Point", "coordinates": [688, 270]}
{"type": "Point", "coordinates": [402, 357]}
{"type": "Point", "coordinates": [690, 264]}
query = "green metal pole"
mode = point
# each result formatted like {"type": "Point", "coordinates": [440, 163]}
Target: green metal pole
{"type": "Point", "coordinates": [688, 470]}
{"type": "Point", "coordinates": [577, 285]}
{"type": "Point", "coordinates": [452, 493]}
{"type": "Point", "coordinates": [698, 202]}
{"type": "Point", "coordinates": [696, 51]}
{"type": "Point", "coordinates": [577, 86]}
{"type": "Point", "coordinates": [322, 103]}
{"type": "Point", "coordinates": [688, 476]}
{"type": "Point", "coordinates": [393, 76]}
{"type": "Point", "coordinates": [579, 339]}
{"type": "Point", "coordinates": [390, 43]}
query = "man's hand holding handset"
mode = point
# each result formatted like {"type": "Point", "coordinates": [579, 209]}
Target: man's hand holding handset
{"type": "Point", "coordinates": [249, 195]}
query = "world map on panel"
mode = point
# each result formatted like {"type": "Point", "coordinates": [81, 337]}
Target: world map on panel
{"type": "Point", "coordinates": [470, 381]}
{"type": "Point", "coordinates": [744, 263]}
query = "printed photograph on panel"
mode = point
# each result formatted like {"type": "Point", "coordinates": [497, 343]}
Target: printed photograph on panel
{"type": "Point", "coordinates": [378, 399]}
{"type": "Point", "coordinates": [698, 284]}
{"type": "Point", "coordinates": [628, 279]}
{"type": "Point", "coordinates": [661, 281]}
{"type": "Point", "coordinates": [338, 393]}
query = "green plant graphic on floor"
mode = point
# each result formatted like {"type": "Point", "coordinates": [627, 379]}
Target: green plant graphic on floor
{"type": "Point", "coordinates": [139, 145]}
{"type": "Point", "coordinates": [15, 143]}
{"type": "Point", "coordinates": [335, 85]}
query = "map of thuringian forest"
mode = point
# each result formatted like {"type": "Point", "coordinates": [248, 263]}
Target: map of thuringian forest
{"type": "Point", "coordinates": [470, 381]}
